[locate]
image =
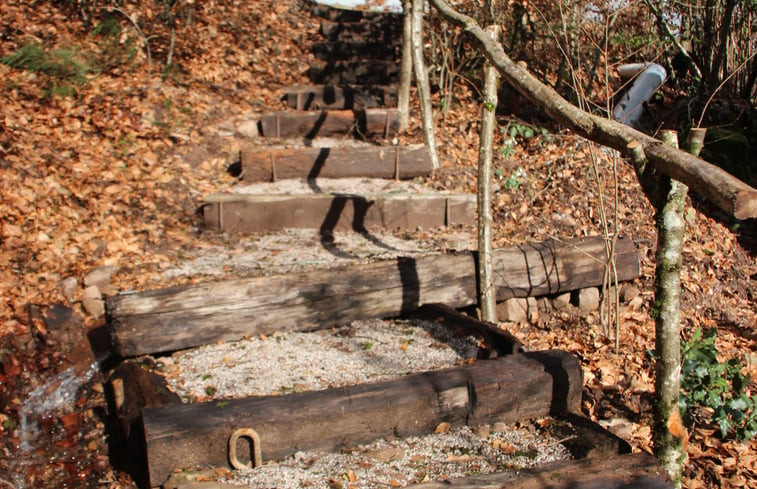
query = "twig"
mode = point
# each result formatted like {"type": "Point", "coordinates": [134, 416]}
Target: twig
{"type": "Point", "coordinates": [136, 27]}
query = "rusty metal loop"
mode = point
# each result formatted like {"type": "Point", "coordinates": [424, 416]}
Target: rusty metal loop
{"type": "Point", "coordinates": [256, 458]}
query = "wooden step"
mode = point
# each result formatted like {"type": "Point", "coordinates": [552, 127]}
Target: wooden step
{"type": "Point", "coordinates": [245, 213]}
{"type": "Point", "coordinates": [353, 51]}
{"type": "Point", "coordinates": [361, 123]}
{"type": "Point", "coordinates": [401, 162]}
{"type": "Point", "coordinates": [340, 97]}
{"type": "Point", "coordinates": [609, 471]}
{"type": "Point", "coordinates": [507, 389]}
{"type": "Point", "coordinates": [362, 72]}
{"type": "Point", "coordinates": [183, 317]}
{"type": "Point", "coordinates": [389, 34]}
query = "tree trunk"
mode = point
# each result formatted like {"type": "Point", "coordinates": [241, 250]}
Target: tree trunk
{"type": "Point", "coordinates": [485, 279]}
{"type": "Point", "coordinates": [724, 34]}
{"type": "Point", "coordinates": [724, 190]}
{"type": "Point", "coordinates": [406, 65]}
{"type": "Point", "coordinates": [671, 229]}
{"type": "Point", "coordinates": [421, 79]}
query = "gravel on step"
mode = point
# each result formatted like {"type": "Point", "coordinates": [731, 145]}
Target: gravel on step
{"type": "Point", "coordinates": [364, 351]}
{"type": "Point", "coordinates": [398, 463]}
{"type": "Point", "coordinates": [334, 186]}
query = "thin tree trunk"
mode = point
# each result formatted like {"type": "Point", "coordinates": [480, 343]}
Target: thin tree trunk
{"type": "Point", "coordinates": [723, 34]}
{"type": "Point", "coordinates": [488, 108]}
{"type": "Point", "coordinates": [671, 230]}
{"type": "Point", "coordinates": [406, 65]}
{"type": "Point", "coordinates": [421, 80]}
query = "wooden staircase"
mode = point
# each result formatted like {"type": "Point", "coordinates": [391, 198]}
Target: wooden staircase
{"type": "Point", "coordinates": [508, 385]}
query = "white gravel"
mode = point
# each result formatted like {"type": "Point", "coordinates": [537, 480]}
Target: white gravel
{"type": "Point", "coordinates": [293, 250]}
{"type": "Point", "coordinates": [412, 460]}
{"type": "Point", "coordinates": [364, 351]}
{"type": "Point", "coordinates": [333, 185]}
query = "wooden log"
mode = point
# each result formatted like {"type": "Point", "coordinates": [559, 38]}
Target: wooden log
{"type": "Point", "coordinates": [355, 51]}
{"type": "Point", "coordinates": [240, 213]}
{"type": "Point", "coordinates": [509, 389]}
{"type": "Point", "coordinates": [192, 315]}
{"type": "Point", "coordinates": [390, 34]}
{"type": "Point", "coordinates": [359, 123]}
{"type": "Point", "coordinates": [402, 162]}
{"type": "Point", "coordinates": [629, 471]}
{"type": "Point", "coordinates": [364, 71]}
{"type": "Point", "coordinates": [339, 97]}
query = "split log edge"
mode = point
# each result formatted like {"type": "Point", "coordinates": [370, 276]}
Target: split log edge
{"type": "Point", "coordinates": [187, 316]}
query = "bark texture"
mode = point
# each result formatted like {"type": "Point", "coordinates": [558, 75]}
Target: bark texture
{"type": "Point", "coordinates": [406, 65]}
{"type": "Point", "coordinates": [421, 80]}
{"type": "Point", "coordinates": [671, 229]}
{"type": "Point", "coordinates": [724, 190]}
{"type": "Point", "coordinates": [485, 280]}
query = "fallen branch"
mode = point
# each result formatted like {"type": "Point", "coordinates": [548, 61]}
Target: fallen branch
{"type": "Point", "coordinates": [724, 190]}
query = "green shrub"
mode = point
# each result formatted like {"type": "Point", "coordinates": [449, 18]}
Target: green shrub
{"type": "Point", "coordinates": [63, 68]}
{"type": "Point", "coordinates": [719, 387]}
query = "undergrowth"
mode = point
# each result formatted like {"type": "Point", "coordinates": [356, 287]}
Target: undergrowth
{"type": "Point", "coordinates": [714, 391]}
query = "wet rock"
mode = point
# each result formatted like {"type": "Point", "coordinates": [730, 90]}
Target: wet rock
{"type": "Point", "coordinates": [65, 330]}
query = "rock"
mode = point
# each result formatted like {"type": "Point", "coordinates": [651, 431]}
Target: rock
{"type": "Point", "coordinates": [386, 454]}
{"type": "Point", "coordinates": [628, 293]}
{"type": "Point", "coordinates": [100, 276]}
{"type": "Point", "coordinates": [68, 287]}
{"type": "Point", "coordinates": [66, 330]}
{"type": "Point", "coordinates": [483, 430]}
{"type": "Point", "coordinates": [92, 301]}
{"type": "Point", "coordinates": [518, 310]}
{"type": "Point", "coordinates": [248, 129]}
{"type": "Point", "coordinates": [587, 300]}
{"type": "Point", "coordinates": [499, 427]}
{"type": "Point", "coordinates": [561, 302]}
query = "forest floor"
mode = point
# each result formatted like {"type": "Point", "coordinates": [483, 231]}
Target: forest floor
{"type": "Point", "coordinates": [108, 165]}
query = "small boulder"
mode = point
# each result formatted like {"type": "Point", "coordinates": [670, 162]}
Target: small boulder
{"type": "Point", "coordinates": [587, 300]}
{"type": "Point", "coordinates": [92, 301]}
{"type": "Point", "coordinates": [65, 329]}
{"type": "Point", "coordinates": [248, 129]}
{"type": "Point", "coordinates": [628, 293]}
{"type": "Point", "coordinates": [100, 276]}
{"type": "Point", "coordinates": [68, 287]}
{"type": "Point", "coordinates": [518, 310]}
{"type": "Point", "coordinates": [561, 302]}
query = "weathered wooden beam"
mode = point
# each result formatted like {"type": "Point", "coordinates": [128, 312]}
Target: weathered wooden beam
{"type": "Point", "coordinates": [340, 97]}
{"type": "Point", "coordinates": [509, 389]}
{"type": "Point", "coordinates": [629, 471]}
{"type": "Point", "coordinates": [191, 315]}
{"type": "Point", "coordinates": [358, 123]}
{"type": "Point", "coordinates": [364, 71]}
{"type": "Point", "coordinates": [270, 164]}
{"type": "Point", "coordinates": [360, 32]}
{"type": "Point", "coordinates": [248, 213]}
{"type": "Point", "coordinates": [355, 51]}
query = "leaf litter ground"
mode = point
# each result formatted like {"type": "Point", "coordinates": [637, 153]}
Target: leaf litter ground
{"type": "Point", "coordinates": [115, 174]}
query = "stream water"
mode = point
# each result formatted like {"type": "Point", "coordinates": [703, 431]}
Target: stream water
{"type": "Point", "coordinates": [57, 395]}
